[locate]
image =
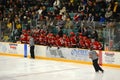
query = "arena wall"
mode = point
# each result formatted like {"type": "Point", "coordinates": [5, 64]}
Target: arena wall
{"type": "Point", "coordinates": [75, 55]}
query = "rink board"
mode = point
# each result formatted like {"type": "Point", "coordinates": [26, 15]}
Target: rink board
{"type": "Point", "coordinates": [76, 55]}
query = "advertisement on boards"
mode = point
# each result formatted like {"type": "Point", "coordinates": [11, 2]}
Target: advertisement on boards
{"type": "Point", "coordinates": [3, 47]}
{"type": "Point", "coordinates": [54, 52]}
{"type": "Point", "coordinates": [80, 54]}
{"type": "Point", "coordinates": [11, 48]}
{"type": "Point", "coordinates": [67, 53]}
{"type": "Point", "coordinates": [111, 57]}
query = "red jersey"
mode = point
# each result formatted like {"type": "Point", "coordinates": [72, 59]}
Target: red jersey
{"type": "Point", "coordinates": [23, 38]}
{"type": "Point", "coordinates": [49, 38]}
{"type": "Point", "coordinates": [28, 38]}
{"type": "Point", "coordinates": [97, 45]}
{"type": "Point", "coordinates": [88, 43]}
{"type": "Point", "coordinates": [59, 42]}
{"type": "Point", "coordinates": [41, 39]}
{"type": "Point", "coordinates": [36, 38]}
{"type": "Point", "coordinates": [76, 17]}
{"type": "Point", "coordinates": [46, 40]}
{"type": "Point", "coordinates": [52, 41]}
{"type": "Point", "coordinates": [73, 41]}
{"type": "Point", "coordinates": [66, 41]}
{"type": "Point", "coordinates": [82, 43]}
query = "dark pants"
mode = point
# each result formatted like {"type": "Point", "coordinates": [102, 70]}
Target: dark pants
{"type": "Point", "coordinates": [32, 52]}
{"type": "Point", "coordinates": [96, 65]}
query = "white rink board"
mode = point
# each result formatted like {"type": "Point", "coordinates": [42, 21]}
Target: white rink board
{"type": "Point", "coordinates": [111, 57]}
{"type": "Point", "coordinates": [40, 50]}
{"type": "Point", "coordinates": [11, 48]}
{"type": "Point", "coordinates": [65, 53]}
{"type": "Point", "coordinates": [68, 53]}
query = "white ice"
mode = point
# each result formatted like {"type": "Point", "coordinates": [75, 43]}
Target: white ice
{"type": "Point", "coordinates": [14, 68]}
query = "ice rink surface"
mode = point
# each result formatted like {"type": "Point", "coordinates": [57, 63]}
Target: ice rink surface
{"type": "Point", "coordinates": [14, 68]}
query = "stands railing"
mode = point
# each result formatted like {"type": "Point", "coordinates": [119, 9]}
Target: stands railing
{"type": "Point", "coordinates": [108, 32]}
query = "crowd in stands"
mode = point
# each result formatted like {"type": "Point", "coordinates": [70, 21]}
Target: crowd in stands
{"type": "Point", "coordinates": [58, 22]}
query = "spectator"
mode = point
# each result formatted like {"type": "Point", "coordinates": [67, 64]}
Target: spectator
{"type": "Point", "coordinates": [109, 14]}
{"type": "Point", "coordinates": [56, 3]}
{"type": "Point", "coordinates": [115, 9]}
{"type": "Point", "coordinates": [60, 32]}
{"type": "Point", "coordinates": [94, 35]}
{"type": "Point", "coordinates": [47, 14]}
